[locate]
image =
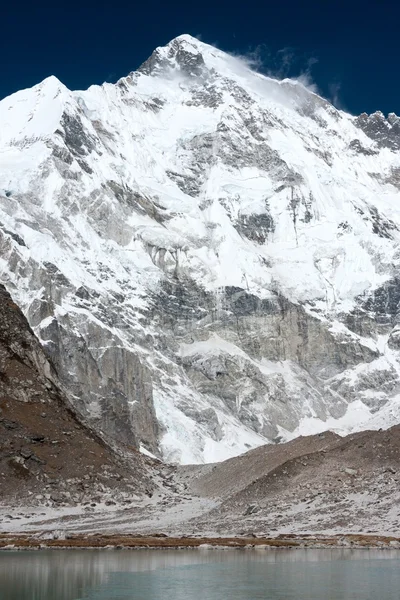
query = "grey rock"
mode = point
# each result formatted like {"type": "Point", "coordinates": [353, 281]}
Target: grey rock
{"type": "Point", "coordinates": [350, 471]}
{"type": "Point", "coordinates": [26, 452]}
{"type": "Point", "coordinates": [386, 132]}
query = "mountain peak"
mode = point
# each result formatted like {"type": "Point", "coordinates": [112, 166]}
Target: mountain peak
{"type": "Point", "coordinates": [183, 53]}
{"type": "Point", "coordinates": [52, 83]}
{"type": "Point", "coordinates": [186, 38]}
{"type": "Point", "coordinates": [33, 112]}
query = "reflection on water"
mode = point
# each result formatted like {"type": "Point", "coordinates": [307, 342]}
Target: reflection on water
{"type": "Point", "coordinates": [200, 574]}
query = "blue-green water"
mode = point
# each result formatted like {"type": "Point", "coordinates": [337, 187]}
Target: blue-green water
{"type": "Point", "coordinates": [200, 575]}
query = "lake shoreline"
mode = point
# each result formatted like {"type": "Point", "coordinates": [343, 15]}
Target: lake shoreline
{"type": "Point", "coordinates": [64, 540]}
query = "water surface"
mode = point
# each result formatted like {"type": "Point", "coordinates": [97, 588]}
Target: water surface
{"type": "Point", "coordinates": [200, 575]}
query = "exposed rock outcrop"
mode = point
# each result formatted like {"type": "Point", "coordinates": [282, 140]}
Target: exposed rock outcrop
{"type": "Point", "coordinates": [47, 454]}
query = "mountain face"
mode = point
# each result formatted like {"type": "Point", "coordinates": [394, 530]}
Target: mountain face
{"type": "Point", "coordinates": [47, 455]}
{"type": "Point", "coordinates": [209, 257]}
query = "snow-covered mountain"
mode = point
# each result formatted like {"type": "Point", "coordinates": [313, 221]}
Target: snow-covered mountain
{"type": "Point", "coordinates": [210, 256]}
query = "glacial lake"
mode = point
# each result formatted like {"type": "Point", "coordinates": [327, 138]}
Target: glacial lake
{"type": "Point", "coordinates": [202, 574]}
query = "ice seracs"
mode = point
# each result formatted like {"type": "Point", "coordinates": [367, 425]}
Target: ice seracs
{"type": "Point", "coordinates": [210, 256]}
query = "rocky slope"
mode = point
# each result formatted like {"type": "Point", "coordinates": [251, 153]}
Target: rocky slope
{"type": "Point", "coordinates": [209, 256]}
{"type": "Point", "coordinates": [319, 485]}
{"type": "Point", "coordinates": [48, 457]}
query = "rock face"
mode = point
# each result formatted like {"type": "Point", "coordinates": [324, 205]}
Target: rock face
{"type": "Point", "coordinates": [210, 257]}
{"type": "Point", "coordinates": [47, 455]}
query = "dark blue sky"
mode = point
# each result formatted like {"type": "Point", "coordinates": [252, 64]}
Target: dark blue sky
{"type": "Point", "coordinates": [350, 48]}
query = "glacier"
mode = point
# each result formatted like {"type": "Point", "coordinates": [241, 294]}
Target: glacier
{"type": "Point", "coordinates": [209, 256]}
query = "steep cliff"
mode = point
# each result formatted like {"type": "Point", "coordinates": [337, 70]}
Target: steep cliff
{"type": "Point", "coordinates": [47, 455]}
